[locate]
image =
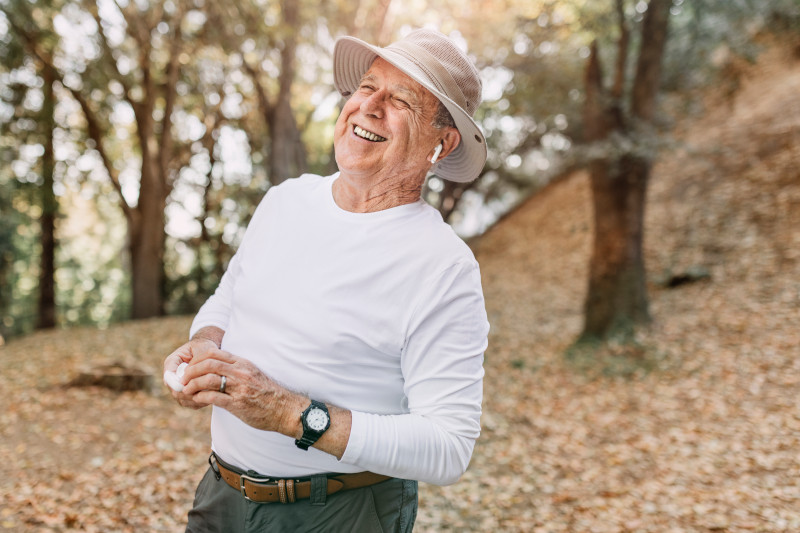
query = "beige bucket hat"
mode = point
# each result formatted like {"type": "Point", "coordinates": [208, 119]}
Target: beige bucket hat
{"type": "Point", "coordinates": [434, 61]}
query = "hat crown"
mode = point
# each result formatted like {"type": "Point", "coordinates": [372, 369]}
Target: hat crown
{"type": "Point", "coordinates": [453, 64]}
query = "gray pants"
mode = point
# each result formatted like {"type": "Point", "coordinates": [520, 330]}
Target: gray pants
{"type": "Point", "coordinates": [390, 506]}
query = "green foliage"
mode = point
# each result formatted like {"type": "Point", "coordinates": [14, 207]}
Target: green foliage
{"type": "Point", "coordinates": [21, 142]}
{"type": "Point", "coordinates": [19, 238]}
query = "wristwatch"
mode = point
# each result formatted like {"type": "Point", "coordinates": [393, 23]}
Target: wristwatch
{"type": "Point", "coordinates": [316, 421]}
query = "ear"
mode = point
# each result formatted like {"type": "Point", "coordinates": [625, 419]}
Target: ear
{"type": "Point", "coordinates": [450, 139]}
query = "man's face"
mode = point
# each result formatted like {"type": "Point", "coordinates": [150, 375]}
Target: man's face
{"type": "Point", "coordinates": [385, 128]}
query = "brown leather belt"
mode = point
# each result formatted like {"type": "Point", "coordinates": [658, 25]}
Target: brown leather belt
{"type": "Point", "coordinates": [270, 490]}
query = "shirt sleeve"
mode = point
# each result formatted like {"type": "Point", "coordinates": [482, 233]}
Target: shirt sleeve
{"type": "Point", "coordinates": [216, 310]}
{"type": "Point", "coordinates": [442, 364]}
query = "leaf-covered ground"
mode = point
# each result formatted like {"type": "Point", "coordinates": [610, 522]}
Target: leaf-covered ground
{"type": "Point", "coordinates": [694, 428]}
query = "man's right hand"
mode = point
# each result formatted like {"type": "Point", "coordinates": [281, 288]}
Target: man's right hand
{"type": "Point", "coordinates": [206, 340]}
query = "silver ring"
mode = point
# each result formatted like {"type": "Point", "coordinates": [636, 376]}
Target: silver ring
{"type": "Point", "coordinates": [222, 384]}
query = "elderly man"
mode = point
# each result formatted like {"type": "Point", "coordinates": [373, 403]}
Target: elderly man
{"type": "Point", "coordinates": [343, 349]}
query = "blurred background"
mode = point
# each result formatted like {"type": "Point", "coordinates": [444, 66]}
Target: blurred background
{"type": "Point", "coordinates": [136, 136]}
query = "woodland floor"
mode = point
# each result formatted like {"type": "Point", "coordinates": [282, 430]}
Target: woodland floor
{"type": "Point", "coordinates": [694, 428]}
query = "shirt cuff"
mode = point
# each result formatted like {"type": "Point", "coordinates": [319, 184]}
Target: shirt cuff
{"type": "Point", "coordinates": [357, 441]}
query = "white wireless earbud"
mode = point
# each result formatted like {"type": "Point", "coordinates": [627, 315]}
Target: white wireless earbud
{"type": "Point", "coordinates": [437, 152]}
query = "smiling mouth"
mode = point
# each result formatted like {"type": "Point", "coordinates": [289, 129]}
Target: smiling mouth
{"type": "Point", "coordinates": [368, 135]}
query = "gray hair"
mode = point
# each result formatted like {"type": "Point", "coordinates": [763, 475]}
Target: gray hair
{"type": "Point", "coordinates": [443, 118]}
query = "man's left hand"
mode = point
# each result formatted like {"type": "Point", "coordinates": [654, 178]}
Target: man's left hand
{"type": "Point", "coordinates": [249, 394]}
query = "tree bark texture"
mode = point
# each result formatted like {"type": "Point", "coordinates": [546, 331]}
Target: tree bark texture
{"type": "Point", "coordinates": [617, 300]}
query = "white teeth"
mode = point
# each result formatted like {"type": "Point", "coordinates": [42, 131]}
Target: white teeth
{"type": "Point", "coordinates": [364, 134]}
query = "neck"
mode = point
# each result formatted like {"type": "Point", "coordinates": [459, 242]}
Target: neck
{"type": "Point", "coordinates": [367, 196]}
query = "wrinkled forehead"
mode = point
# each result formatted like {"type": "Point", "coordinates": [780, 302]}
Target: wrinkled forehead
{"type": "Point", "coordinates": [383, 71]}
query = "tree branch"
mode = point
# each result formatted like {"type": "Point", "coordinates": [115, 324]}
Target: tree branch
{"type": "Point", "coordinates": [96, 134]}
{"type": "Point", "coordinates": [622, 51]}
{"type": "Point", "coordinates": [170, 95]}
{"type": "Point", "coordinates": [141, 35]}
{"type": "Point", "coordinates": [594, 123]}
{"type": "Point", "coordinates": [108, 52]}
{"type": "Point", "coordinates": [261, 92]}
{"type": "Point", "coordinates": [648, 67]}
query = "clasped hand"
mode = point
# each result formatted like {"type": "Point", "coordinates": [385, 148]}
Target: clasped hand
{"type": "Point", "coordinates": [249, 394]}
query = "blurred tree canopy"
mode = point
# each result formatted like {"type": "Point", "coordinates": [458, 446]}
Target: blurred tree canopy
{"type": "Point", "coordinates": [149, 129]}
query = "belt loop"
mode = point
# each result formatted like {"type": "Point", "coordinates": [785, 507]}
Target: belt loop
{"type": "Point", "coordinates": [212, 460]}
{"type": "Point", "coordinates": [319, 489]}
{"type": "Point", "coordinates": [290, 491]}
{"type": "Point", "coordinates": [282, 490]}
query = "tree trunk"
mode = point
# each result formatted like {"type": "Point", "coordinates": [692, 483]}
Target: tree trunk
{"type": "Point", "coordinates": [147, 235]}
{"type": "Point", "coordinates": [147, 260]}
{"type": "Point", "coordinates": [617, 295]}
{"type": "Point", "coordinates": [147, 225]}
{"type": "Point", "coordinates": [287, 157]}
{"type": "Point", "coordinates": [47, 298]}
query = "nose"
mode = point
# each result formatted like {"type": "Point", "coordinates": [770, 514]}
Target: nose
{"type": "Point", "coordinates": [373, 104]}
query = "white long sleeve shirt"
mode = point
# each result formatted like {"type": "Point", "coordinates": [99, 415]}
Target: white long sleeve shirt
{"type": "Point", "coordinates": [380, 313]}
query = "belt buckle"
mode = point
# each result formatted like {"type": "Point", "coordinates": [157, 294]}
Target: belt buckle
{"type": "Point", "coordinates": [256, 480]}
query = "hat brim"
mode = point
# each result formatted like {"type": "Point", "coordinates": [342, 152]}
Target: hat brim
{"type": "Point", "coordinates": [352, 58]}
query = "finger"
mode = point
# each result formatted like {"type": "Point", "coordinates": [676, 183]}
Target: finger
{"type": "Point", "coordinates": [205, 382]}
{"type": "Point", "coordinates": [192, 404]}
{"type": "Point", "coordinates": [207, 350]}
{"type": "Point", "coordinates": [211, 397]}
{"type": "Point", "coordinates": [224, 365]}
{"type": "Point", "coordinates": [172, 361]}
{"type": "Point", "coordinates": [188, 399]}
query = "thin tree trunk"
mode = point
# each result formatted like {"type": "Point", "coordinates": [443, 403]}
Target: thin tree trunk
{"type": "Point", "coordinates": [47, 288]}
{"type": "Point", "coordinates": [287, 157]}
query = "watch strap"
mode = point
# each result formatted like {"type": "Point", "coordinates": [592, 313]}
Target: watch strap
{"type": "Point", "coordinates": [305, 441]}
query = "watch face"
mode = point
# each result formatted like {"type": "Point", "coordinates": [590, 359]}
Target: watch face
{"type": "Point", "coordinates": [317, 419]}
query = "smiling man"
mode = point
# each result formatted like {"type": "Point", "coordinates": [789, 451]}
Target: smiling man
{"type": "Point", "coordinates": [343, 350]}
